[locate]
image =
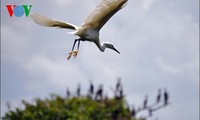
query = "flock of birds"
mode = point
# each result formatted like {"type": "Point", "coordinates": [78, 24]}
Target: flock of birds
{"type": "Point", "coordinates": [98, 94]}
{"type": "Point", "coordinates": [162, 98]}
{"type": "Point", "coordinates": [89, 30]}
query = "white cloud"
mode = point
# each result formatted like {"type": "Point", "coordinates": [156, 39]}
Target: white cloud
{"type": "Point", "coordinates": [169, 68]}
{"type": "Point", "coordinates": [13, 43]}
{"type": "Point", "coordinates": [147, 4]}
{"type": "Point", "coordinates": [54, 73]}
{"type": "Point", "coordinates": [63, 3]}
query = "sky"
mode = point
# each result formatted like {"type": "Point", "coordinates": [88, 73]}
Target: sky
{"type": "Point", "coordinates": [158, 41]}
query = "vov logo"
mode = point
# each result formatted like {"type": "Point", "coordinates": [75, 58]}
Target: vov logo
{"type": "Point", "coordinates": [19, 10]}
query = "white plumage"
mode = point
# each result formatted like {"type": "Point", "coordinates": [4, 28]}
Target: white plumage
{"type": "Point", "coordinates": [89, 30]}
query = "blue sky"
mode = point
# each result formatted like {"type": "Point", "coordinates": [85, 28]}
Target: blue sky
{"type": "Point", "coordinates": [158, 41]}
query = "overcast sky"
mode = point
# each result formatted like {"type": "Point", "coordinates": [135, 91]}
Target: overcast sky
{"type": "Point", "coordinates": [158, 41]}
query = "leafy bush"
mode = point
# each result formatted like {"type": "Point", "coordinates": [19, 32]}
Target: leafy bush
{"type": "Point", "coordinates": [76, 108]}
{"type": "Point", "coordinates": [93, 106]}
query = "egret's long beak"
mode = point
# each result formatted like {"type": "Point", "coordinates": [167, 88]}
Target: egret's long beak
{"type": "Point", "coordinates": [116, 50]}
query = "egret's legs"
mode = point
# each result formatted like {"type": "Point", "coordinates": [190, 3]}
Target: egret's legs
{"type": "Point", "coordinates": [76, 51]}
{"type": "Point", "coordinates": [70, 53]}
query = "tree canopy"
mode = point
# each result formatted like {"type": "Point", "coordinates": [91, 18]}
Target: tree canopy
{"type": "Point", "coordinates": [93, 106]}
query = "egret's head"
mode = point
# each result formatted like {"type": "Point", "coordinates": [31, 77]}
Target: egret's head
{"type": "Point", "coordinates": [110, 45]}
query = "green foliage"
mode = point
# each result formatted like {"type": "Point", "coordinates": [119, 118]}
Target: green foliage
{"type": "Point", "coordinates": [93, 106]}
{"type": "Point", "coordinates": [76, 108]}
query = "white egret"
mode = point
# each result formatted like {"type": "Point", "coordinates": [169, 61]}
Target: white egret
{"type": "Point", "coordinates": [89, 30]}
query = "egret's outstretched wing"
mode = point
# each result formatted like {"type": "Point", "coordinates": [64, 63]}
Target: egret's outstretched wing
{"type": "Point", "coordinates": [103, 12]}
{"type": "Point", "coordinates": [45, 21]}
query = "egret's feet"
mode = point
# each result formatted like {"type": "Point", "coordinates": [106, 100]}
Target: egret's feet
{"type": "Point", "coordinates": [75, 53]}
{"type": "Point", "coordinates": [69, 55]}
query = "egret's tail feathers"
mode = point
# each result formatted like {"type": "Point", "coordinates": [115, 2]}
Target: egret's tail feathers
{"type": "Point", "coordinates": [45, 21]}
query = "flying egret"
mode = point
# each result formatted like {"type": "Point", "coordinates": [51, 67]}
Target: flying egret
{"type": "Point", "coordinates": [89, 30]}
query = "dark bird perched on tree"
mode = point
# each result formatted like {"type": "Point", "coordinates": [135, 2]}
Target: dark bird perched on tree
{"type": "Point", "coordinates": [145, 102]}
{"type": "Point", "coordinates": [99, 93]}
{"type": "Point", "coordinates": [166, 97]}
{"type": "Point", "coordinates": [150, 112]}
{"type": "Point", "coordinates": [118, 85]}
{"type": "Point", "coordinates": [68, 93]}
{"type": "Point", "coordinates": [159, 96]}
{"type": "Point", "coordinates": [133, 112]}
{"type": "Point", "coordinates": [119, 90]}
{"type": "Point", "coordinates": [121, 93]}
{"type": "Point", "coordinates": [78, 91]}
{"type": "Point", "coordinates": [91, 90]}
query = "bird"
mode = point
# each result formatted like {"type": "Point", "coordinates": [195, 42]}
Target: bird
{"type": "Point", "coordinates": [158, 96]}
{"type": "Point", "coordinates": [166, 97]}
{"type": "Point", "coordinates": [133, 112]}
{"type": "Point", "coordinates": [78, 91]}
{"type": "Point", "coordinates": [99, 93]}
{"type": "Point", "coordinates": [68, 93]}
{"type": "Point", "coordinates": [150, 112]}
{"type": "Point", "coordinates": [121, 95]}
{"type": "Point", "coordinates": [118, 85]}
{"type": "Point", "coordinates": [145, 102]}
{"type": "Point", "coordinates": [89, 30]}
{"type": "Point", "coordinates": [91, 90]}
